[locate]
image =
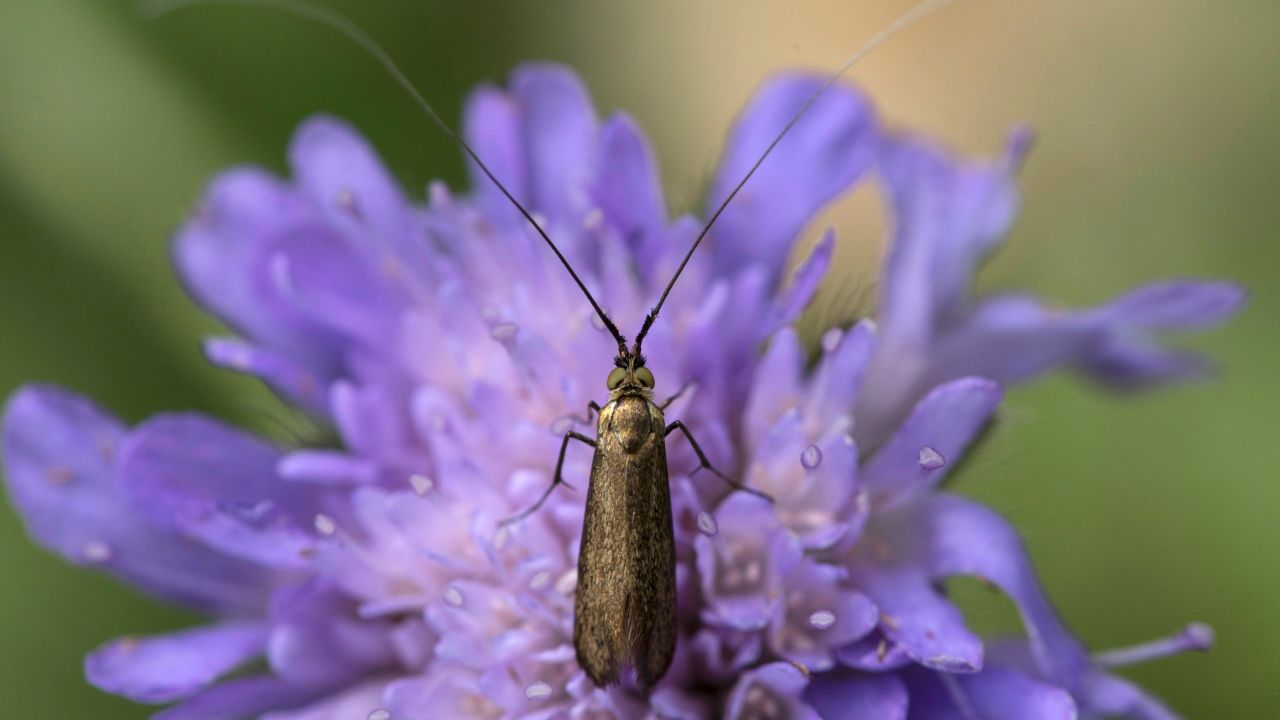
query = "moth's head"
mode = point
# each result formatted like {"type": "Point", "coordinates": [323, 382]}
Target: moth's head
{"type": "Point", "coordinates": [630, 377]}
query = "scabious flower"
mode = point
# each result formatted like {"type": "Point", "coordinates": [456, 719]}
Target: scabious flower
{"type": "Point", "coordinates": [448, 351]}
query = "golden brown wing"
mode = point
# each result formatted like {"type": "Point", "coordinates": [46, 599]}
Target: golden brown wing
{"type": "Point", "coordinates": [625, 604]}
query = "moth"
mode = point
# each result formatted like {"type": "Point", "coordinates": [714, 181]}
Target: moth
{"type": "Point", "coordinates": [625, 603]}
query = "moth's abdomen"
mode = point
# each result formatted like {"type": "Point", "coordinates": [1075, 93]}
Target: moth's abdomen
{"type": "Point", "coordinates": [625, 605]}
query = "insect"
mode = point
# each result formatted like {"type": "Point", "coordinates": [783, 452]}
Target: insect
{"type": "Point", "coordinates": [625, 604]}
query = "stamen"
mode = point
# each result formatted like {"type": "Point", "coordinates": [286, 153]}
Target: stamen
{"type": "Point", "coordinates": [930, 459]}
{"type": "Point", "coordinates": [380, 714]}
{"type": "Point", "coordinates": [567, 583]}
{"type": "Point", "coordinates": [96, 551]}
{"type": "Point", "coordinates": [421, 484]}
{"type": "Point", "coordinates": [831, 339]}
{"type": "Point", "coordinates": [707, 524]}
{"type": "Point", "coordinates": [822, 619]}
{"type": "Point", "coordinates": [1195, 637]}
{"type": "Point", "coordinates": [346, 200]}
{"type": "Point", "coordinates": [537, 691]}
{"type": "Point", "coordinates": [504, 331]}
{"type": "Point", "coordinates": [325, 524]}
{"type": "Point", "coordinates": [811, 458]}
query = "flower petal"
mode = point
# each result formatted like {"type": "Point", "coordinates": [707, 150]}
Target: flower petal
{"type": "Point", "coordinates": [491, 125]}
{"type": "Point", "coordinates": [858, 695]}
{"type": "Point", "coordinates": [171, 667]}
{"type": "Point", "coordinates": [629, 191]}
{"type": "Point", "coordinates": [817, 616]}
{"type": "Point", "coordinates": [221, 256]}
{"type": "Point", "coordinates": [804, 284]}
{"type": "Point", "coordinates": [1178, 305]}
{"type": "Point", "coordinates": [833, 386]}
{"type": "Point", "coordinates": [316, 638]}
{"type": "Point", "coordinates": [60, 461]}
{"type": "Point", "coordinates": [357, 703]}
{"type": "Point", "coordinates": [777, 383]}
{"type": "Point", "coordinates": [559, 133]}
{"type": "Point", "coordinates": [351, 189]}
{"type": "Point", "coordinates": [336, 286]}
{"type": "Point", "coordinates": [1109, 695]}
{"type": "Point", "coordinates": [947, 215]}
{"type": "Point", "coordinates": [283, 373]}
{"type": "Point", "coordinates": [242, 697]}
{"type": "Point", "coordinates": [994, 694]}
{"type": "Point", "coordinates": [209, 481]}
{"type": "Point", "coordinates": [916, 617]}
{"type": "Point", "coordinates": [825, 153]}
{"type": "Point", "coordinates": [966, 538]}
{"type": "Point", "coordinates": [449, 692]}
{"type": "Point", "coordinates": [773, 690]}
{"type": "Point", "coordinates": [1015, 337]}
{"type": "Point", "coordinates": [937, 431]}
{"type": "Point", "coordinates": [742, 566]}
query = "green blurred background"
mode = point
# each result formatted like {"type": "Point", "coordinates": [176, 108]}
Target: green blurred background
{"type": "Point", "coordinates": [1158, 157]}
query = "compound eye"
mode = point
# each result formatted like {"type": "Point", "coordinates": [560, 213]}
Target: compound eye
{"type": "Point", "coordinates": [616, 376]}
{"type": "Point", "coordinates": [645, 376]}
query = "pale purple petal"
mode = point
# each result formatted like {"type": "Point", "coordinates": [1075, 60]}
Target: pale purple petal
{"type": "Point", "coordinates": [207, 480]}
{"type": "Point", "coordinates": [349, 187]}
{"type": "Point", "coordinates": [446, 692]}
{"type": "Point", "coordinates": [993, 694]}
{"type": "Point", "coordinates": [316, 638]}
{"type": "Point", "coordinates": [919, 619]}
{"type": "Point", "coordinates": [945, 421]}
{"type": "Point", "coordinates": [629, 191]}
{"type": "Point", "coordinates": [1178, 305]}
{"type": "Point", "coordinates": [966, 538]}
{"type": "Point", "coordinates": [769, 691]}
{"type": "Point", "coordinates": [221, 256]}
{"type": "Point", "coordinates": [804, 284]}
{"type": "Point", "coordinates": [283, 373]}
{"type": "Point", "coordinates": [742, 566]}
{"type": "Point", "coordinates": [60, 463]}
{"type": "Point", "coordinates": [1014, 337]}
{"type": "Point", "coordinates": [165, 668]}
{"type": "Point", "coordinates": [946, 217]}
{"type": "Point", "coordinates": [1109, 695]}
{"type": "Point", "coordinates": [559, 134]}
{"type": "Point", "coordinates": [837, 377]}
{"type": "Point", "coordinates": [817, 615]}
{"type": "Point", "coordinates": [243, 697]}
{"type": "Point", "coordinates": [359, 702]}
{"type": "Point", "coordinates": [336, 287]}
{"type": "Point", "coordinates": [825, 153]}
{"type": "Point", "coordinates": [844, 694]}
{"type": "Point", "coordinates": [491, 125]}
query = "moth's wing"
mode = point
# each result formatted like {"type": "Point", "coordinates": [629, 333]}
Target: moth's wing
{"type": "Point", "coordinates": [625, 603]}
{"type": "Point", "coordinates": [651, 612]}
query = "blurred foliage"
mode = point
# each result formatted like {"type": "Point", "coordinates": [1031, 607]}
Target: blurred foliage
{"type": "Point", "coordinates": [1158, 158]}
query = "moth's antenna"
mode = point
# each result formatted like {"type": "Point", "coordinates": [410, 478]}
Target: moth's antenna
{"type": "Point", "coordinates": [919, 11]}
{"type": "Point", "coordinates": [155, 9]}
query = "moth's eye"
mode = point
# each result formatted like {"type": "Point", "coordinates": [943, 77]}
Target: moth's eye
{"type": "Point", "coordinates": [645, 376]}
{"type": "Point", "coordinates": [616, 376]}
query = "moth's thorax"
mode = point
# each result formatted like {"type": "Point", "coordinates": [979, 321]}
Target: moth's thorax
{"type": "Point", "coordinates": [631, 418]}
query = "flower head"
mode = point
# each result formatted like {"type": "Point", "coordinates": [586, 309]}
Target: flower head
{"type": "Point", "coordinates": [449, 352]}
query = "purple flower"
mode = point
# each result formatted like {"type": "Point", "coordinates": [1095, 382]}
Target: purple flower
{"type": "Point", "coordinates": [448, 350]}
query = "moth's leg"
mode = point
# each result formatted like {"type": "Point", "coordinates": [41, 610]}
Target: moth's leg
{"type": "Point", "coordinates": [556, 480]}
{"type": "Point", "coordinates": [687, 384]}
{"type": "Point", "coordinates": [705, 463]}
{"type": "Point", "coordinates": [592, 406]}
